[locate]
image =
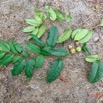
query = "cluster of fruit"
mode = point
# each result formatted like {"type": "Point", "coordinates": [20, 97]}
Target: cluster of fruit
{"type": "Point", "coordinates": [73, 50]}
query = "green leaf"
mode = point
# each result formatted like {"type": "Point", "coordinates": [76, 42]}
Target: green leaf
{"type": "Point", "coordinates": [33, 22]}
{"type": "Point", "coordinates": [16, 58]}
{"type": "Point", "coordinates": [24, 52]}
{"type": "Point", "coordinates": [29, 29]}
{"type": "Point", "coordinates": [65, 36]}
{"type": "Point", "coordinates": [51, 13]}
{"type": "Point", "coordinates": [6, 59]}
{"type": "Point", "coordinates": [55, 70]}
{"type": "Point", "coordinates": [33, 48]}
{"type": "Point", "coordinates": [2, 54]}
{"type": "Point", "coordinates": [87, 37]}
{"type": "Point", "coordinates": [80, 35]}
{"type": "Point", "coordinates": [39, 61]}
{"type": "Point", "coordinates": [92, 58]}
{"type": "Point", "coordinates": [18, 67]}
{"type": "Point", "coordinates": [12, 47]}
{"type": "Point", "coordinates": [75, 32]}
{"type": "Point", "coordinates": [45, 51]}
{"type": "Point", "coordinates": [37, 41]}
{"type": "Point", "coordinates": [18, 47]}
{"type": "Point", "coordinates": [40, 14]}
{"type": "Point", "coordinates": [101, 22]}
{"type": "Point", "coordinates": [96, 72]}
{"type": "Point", "coordinates": [59, 15]}
{"type": "Point", "coordinates": [68, 18]}
{"type": "Point", "coordinates": [59, 52]}
{"type": "Point", "coordinates": [52, 36]}
{"type": "Point", "coordinates": [41, 31]}
{"type": "Point", "coordinates": [4, 46]}
{"type": "Point", "coordinates": [35, 32]}
{"type": "Point", "coordinates": [29, 67]}
{"type": "Point", "coordinates": [37, 17]}
{"type": "Point", "coordinates": [84, 48]}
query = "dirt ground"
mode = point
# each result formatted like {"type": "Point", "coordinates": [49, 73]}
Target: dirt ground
{"type": "Point", "coordinates": [75, 88]}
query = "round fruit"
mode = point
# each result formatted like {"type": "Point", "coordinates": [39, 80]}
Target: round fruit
{"type": "Point", "coordinates": [78, 49]}
{"type": "Point", "coordinates": [72, 51]}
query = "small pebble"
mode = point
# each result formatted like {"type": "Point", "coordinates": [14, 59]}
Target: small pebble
{"type": "Point", "coordinates": [96, 39]}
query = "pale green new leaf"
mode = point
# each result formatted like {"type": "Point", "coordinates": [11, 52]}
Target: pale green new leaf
{"type": "Point", "coordinates": [35, 32]}
{"type": "Point", "coordinates": [68, 18]}
{"type": "Point", "coordinates": [29, 29]}
{"type": "Point", "coordinates": [101, 22]}
{"type": "Point", "coordinates": [65, 36]}
{"type": "Point", "coordinates": [87, 37]}
{"type": "Point", "coordinates": [37, 17]}
{"type": "Point", "coordinates": [81, 34]}
{"type": "Point", "coordinates": [92, 58]}
{"type": "Point", "coordinates": [51, 13]}
{"type": "Point", "coordinates": [41, 31]}
{"type": "Point", "coordinates": [59, 15]}
{"type": "Point", "coordinates": [33, 22]}
{"type": "Point", "coordinates": [75, 32]}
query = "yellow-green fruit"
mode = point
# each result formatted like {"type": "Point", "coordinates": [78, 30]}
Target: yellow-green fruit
{"type": "Point", "coordinates": [72, 51]}
{"type": "Point", "coordinates": [78, 49]}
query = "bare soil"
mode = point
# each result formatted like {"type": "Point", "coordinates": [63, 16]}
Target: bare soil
{"type": "Point", "coordinates": [74, 86]}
